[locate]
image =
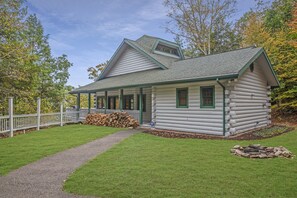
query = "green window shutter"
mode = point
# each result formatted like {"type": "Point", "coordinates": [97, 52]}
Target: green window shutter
{"type": "Point", "coordinates": [182, 98]}
{"type": "Point", "coordinates": [207, 97]}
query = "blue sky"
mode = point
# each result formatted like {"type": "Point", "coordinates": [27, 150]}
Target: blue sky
{"type": "Point", "coordinates": [89, 31]}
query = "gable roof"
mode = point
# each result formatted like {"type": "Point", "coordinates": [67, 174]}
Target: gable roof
{"type": "Point", "coordinates": [120, 50]}
{"type": "Point", "coordinates": [223, 66]}
{"type": "Point", "coordinates": [146, 46]}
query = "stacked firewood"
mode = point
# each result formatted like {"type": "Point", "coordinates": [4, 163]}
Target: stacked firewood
{"type": "Point", "coordinates": [116, 119]}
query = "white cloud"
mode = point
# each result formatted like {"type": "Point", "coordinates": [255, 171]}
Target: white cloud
{"type": "Point", "coordinates": [155, 10]}
{"type": "Point", "coordinates": [120, 29]}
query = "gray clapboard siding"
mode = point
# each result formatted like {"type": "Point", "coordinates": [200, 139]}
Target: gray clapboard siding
{"type": "Point", "coordinates": [251, 102]}
{"type": "Point", "coordinates": [193, 118]}
{"type": "Point", "coordinates": [129, 62]}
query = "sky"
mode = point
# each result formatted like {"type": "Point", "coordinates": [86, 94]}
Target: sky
{"type": "Point", "coordinates": [89, 31]}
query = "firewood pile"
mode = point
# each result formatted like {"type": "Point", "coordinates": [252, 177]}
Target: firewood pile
{"type": "Point", "coordinates": [116, 119]}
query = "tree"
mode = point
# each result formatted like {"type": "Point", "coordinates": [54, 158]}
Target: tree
{"type": "Point", "coordinates": [27, 68]}
{"type": "Point", "coordinates": [16, 72]}
{"type": "Point", "coordinates": [252, 30]}
{"type": "Point", "coordinates": [278, 15]}
{"type": "Point", "coordinates": [70, 99]}
{"type": "Point", "coordinates": [201, 24]}
{"type": "Point", "coordinates": [292, 36]}
{"type": "Point", "coordinates": [94, 72]}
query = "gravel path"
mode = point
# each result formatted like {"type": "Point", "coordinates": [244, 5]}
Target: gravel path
{"type": "Point", "coordinates": [45, 177]}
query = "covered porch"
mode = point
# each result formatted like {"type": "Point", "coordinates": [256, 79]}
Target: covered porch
{"type": "Point", "coordinates": [137, 101]}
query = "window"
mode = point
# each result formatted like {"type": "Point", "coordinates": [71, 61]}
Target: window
{"type": "Point", "coordinates": [100, 102]}
{"type": "Point", "coordinates": [252, 67]}
{"type": "Point", "coordinates": [113, 102]}
{"type": "Point", "coordinates": [166, 49]}
{"type": "Point", "coordinates": [143, 102]}
{"type": "Point", "coordinates": [182, 98]}
{"type": "Point", "coordinates": [128, 102]}
{"type": "Point", "coordinates": [207, 97]}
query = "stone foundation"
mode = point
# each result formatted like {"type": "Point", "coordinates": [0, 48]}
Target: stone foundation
{"type": "Point", "coordinates": [258, 151]}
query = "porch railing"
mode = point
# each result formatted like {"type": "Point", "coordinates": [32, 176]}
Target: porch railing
{"type": "Point", "coordinates": [11, 122]}
{"type": "Point", "coordinates": [28, 121]}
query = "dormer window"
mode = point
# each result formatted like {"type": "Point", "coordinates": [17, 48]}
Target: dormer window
{"type": "Point", "coordinates": [166, 49]}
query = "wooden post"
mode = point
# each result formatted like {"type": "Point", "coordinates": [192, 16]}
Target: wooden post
{"type": "Point", "coordinates": [38, 113]}
{"type": "Point", "coordinates": [140, 107]}
{"type": "Point", "coordinates": [61, 113]}
{"type": "Point", "coordinates": [96, 101]}
{"type": "Point", "coordinates": [121, 99]}
{"type": "Point", "coordinates": [77, 106]}
{"type": "Point", "coordinates": [89, 102]}
{"type": "Point", "coordinates": [105, 102]}
{"type": "Point", "coordinates": [10, 112]}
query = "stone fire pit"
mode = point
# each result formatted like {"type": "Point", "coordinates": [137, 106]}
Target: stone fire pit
{"type": "Point", "coordinates": [258, 151]}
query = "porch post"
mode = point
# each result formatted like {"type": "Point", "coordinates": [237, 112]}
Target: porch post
{"type": "Point", "coordinates": [61, 113]}
{"type": "Point", "coordinates": [77, 106]}
{"type": "Point", "coordinates": [38, 113]}
{"type": "Point", "coordinates": [121, 99]}
{"type": "Point", "coordinates": [140, 106]}
{"type": "Point", "coordinates": [89, 102]}
{"type": "Point", "coordinates": [105, 102]}
{"type": "Point", "coordinates": [10, 113]}
{"type": "Point", "coordinates": [96, 101]}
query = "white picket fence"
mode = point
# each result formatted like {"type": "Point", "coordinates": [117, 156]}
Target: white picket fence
{"type": "Point", "coordinates": [27, 121]}
{"type": "Point", "coordinates": [13, 122]}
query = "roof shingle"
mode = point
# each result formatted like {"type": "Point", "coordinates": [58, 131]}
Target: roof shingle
{"type": "Point", "coordinates": [223, 65]}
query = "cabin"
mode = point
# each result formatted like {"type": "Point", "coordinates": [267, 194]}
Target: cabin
{"type": "Point", "coordinates": [219, 94]}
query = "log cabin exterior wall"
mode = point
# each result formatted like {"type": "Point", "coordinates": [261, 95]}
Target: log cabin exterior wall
{"type": "Point", "coordinates": [131, 61]}
{"type": "Point", "coordinates": [249, 101]}
{"type": "Point", "coordinates": [191, 119]}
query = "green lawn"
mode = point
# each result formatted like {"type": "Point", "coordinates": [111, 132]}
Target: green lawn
{"type": "Point", "coordinates": [150, 166]}
{"type": "Point", "coordinates": [24, 149]}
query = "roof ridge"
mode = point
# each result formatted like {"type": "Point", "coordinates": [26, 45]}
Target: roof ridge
{"type": "Point", "coordinates": [252, 47]}
{"type": "Point", "coordinates": [157, 38]}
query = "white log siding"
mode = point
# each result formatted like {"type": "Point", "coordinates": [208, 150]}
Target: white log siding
{"type": "Point", "coordinates": [193, 118]}
{"type": "Point", "coordinates": [131, 61]}
{"type": "Point", "coordinates": [135, 91]}
{"type": "Point", "coordinates": [249, 101]}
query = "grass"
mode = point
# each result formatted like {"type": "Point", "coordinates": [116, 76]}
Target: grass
{"type": "Point", "coordinates": [24, 149]}
{"type": "Point", "coordinates": [150, 166]}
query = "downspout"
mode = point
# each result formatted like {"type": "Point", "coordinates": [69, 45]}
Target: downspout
{"type": "Point", "coordinates": [224, 107]}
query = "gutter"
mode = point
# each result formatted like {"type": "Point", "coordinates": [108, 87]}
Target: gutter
{"type": "Point", "coordinates": [224, 106]}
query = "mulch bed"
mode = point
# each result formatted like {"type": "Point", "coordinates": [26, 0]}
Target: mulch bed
{"type": "Point", "coordinates": [179, 134]}
{"type": "Point", "coordinates": [284, 119]}
{"type": "Point", "coordinates": [250, 135]}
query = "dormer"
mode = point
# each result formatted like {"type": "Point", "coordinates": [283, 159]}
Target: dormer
{"type": "Point", "coordinates": [169, 49]}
